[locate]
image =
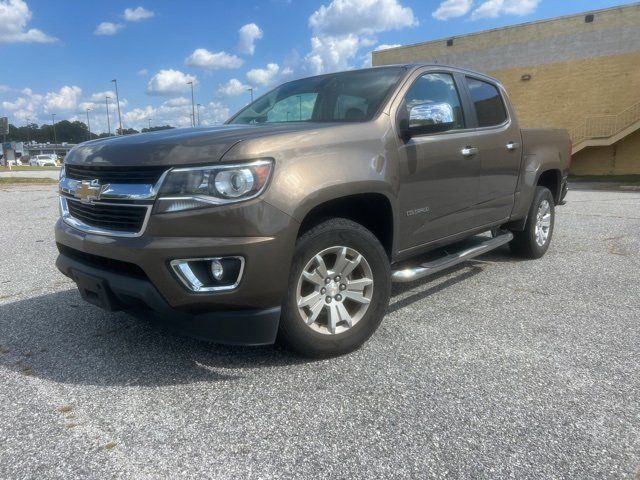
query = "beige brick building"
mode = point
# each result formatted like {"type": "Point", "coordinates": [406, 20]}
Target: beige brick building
{"type": "Point", "coordinates": [579, 72]}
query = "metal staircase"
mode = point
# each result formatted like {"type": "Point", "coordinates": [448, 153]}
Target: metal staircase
{"type": "Point", "coordinates": [604, 130]}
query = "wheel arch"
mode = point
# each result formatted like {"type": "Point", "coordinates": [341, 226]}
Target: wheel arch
{"type": "Point", "coordinates": [371, 209]}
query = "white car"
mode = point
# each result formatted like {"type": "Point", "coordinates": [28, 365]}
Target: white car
{"type": "Point", "coordinates": [43, 161]}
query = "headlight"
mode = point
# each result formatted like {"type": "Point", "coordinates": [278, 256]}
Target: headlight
{"type": "Point", "coordinates": [187, 188]}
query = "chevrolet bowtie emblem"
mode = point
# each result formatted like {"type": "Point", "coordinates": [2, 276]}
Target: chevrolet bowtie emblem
{"type": "Point", "coordinates": [89, 191]}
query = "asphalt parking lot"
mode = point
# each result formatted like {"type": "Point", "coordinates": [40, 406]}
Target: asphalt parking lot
{"type": "Point", "coordinates": [500, 368]}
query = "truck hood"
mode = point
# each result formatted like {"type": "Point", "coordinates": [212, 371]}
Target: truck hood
{"type": "Point", "coordinates": [183, 146]}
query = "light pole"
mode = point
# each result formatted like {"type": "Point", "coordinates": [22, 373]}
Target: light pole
{"type": "Point", "coordinates": [198, 110]}
{"type": "Point", "coordinates": [118, 103]}
{"type": "Point", "coordinates": [193, 106]}
{"type": "Point", "coordinates": [250, 89]}
{"type": "Point", "coordinates": [106, 102]}
{"type": "Point", "coordinates": [53, 124]}
{"type": "Point", "coordinates": [88, 124]}
{"type": "Point", "coordinates": [29, 130]}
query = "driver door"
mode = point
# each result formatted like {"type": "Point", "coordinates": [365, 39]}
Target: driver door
{"type": "Point", "coordinates": [438, 167]}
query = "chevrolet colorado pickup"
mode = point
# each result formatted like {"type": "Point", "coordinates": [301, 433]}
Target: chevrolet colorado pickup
{"type": "Point", "coordinates": [291, 221]}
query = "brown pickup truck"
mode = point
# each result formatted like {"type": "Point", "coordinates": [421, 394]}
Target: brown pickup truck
{"type": "Point", "coordinates": [291, 221]}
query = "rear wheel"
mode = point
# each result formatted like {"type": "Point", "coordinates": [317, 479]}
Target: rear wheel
{"type": "Point", "coordinates": [534, 240]}
{"type": "Point", "coordinates": [339, 288]}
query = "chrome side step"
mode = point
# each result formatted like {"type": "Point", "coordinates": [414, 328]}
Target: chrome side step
{"type": "Point", "coordinates": [435, 266]}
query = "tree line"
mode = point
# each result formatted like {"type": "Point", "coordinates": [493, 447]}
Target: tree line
{"type": "Point", "coordinates": [66, 131]}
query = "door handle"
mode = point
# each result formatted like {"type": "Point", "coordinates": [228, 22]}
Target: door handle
{"type": "Point", "coordinates": [469, 151]}
{"type": "Point", "coordinates": [513, 146]}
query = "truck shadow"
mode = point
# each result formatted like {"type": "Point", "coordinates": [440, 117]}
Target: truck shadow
{"type": "Point", "coordinates": [60, 338]}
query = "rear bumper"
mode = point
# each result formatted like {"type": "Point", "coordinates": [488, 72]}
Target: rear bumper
{"type": "Point", "coordinates": [115, 291]}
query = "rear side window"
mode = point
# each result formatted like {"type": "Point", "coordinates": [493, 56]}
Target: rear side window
{"type": "Point", "coordinates": [488, 102]}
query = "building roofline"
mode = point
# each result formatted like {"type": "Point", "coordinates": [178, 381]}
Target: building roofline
{"type": "Point", "coordinates": [511, 27]}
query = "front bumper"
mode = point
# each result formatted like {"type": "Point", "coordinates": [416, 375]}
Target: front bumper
{"type": "Point", "coordinates": [114, 291]}
{"type": "Point", "coordinates": [137, 271]}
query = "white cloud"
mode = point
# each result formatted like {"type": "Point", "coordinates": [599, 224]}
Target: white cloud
{"type": "Point", "coordinates": [249, 33]}
{"type": "Point", "coordinates": [170, 82]}
{"type": "Point", "coordinates": [178, 102]}
{"type": "Point", "coordinates": [4, 88]}
{"type": "Point", "coordinates": [138, 118]}
{"type": "Point", "coordinates": [344, 27]}
{"type": "Point", "coordinates": [344, 17]}
{"type": "Point", "coordinates": [263, 76]}
{"type": "Point", "coordinates": [108, 28]}
{"type": "Point", "coordinates": [203, 58]}
{"type": "Point", "coordinates": [384, 46]}
{"type": "Point", "coordinates": [66, 99]}
{"type": "Point", "coordinates": [14, 17]}
{"type": "Point", "coordinates": [100, 96]}
{"type": "Point", "coordinates": [214, 113]}
{"type": "Point", "coordinates": [495, 8]}
{"type": "Point", "coordinates": [232, 88]}
{"type": "Point", "coordinates": [175, 112]}
{"type": "Point", "coordinates": [143, 72]}
{"type": "Point", "coordinates": [452, 9]}
{"type": "Point", "coordinates": [97, 101]}
{"type": "Point", "coordinates": [329, 54]}
{"type": "Point", "coordinates": [26, 107]}
{"type": "Point", "coordinates": [137, 14]}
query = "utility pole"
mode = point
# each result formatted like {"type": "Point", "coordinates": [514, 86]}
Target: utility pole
{"type": "Point", "coordinates": [250, 89]}
{"type": "Point", "coordinates": [198, 110]}
{"type": "Point", "coordinates": [118, 102]}
{"type": "Point", "coordinates": [106, 101]}
{"type": "Point", "coordinates": [53, 124]}
{"type": "Point", "coordinates": [193, 106]}
{"type": "Point", "coordinates": [28, 130]}
{"type": "Point", "coordinates": [88, 124]}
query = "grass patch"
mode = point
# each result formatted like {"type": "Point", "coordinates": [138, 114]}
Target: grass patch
{"type": "Point", "coordinates": [26, 180]}
{"type": "Point", "coordinates": [621, 179]}
{"type": "Point", "coordinates": [25, 168]}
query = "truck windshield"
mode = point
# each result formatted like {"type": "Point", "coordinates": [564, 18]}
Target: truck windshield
{"type": "Point", "coordinates": [352, 96]}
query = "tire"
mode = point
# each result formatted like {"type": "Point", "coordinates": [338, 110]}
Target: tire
{"type": "Point", "coordinates": [529, 243]}
{"type": "Point", "coordinates": [334, 240]}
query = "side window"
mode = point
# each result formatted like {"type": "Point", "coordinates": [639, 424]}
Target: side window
{"type": "Point", "coordinates": [488, 102]}
{"type": "Point", "coordinates": [295, 108]}
{"type": "Point", "coordinates": [350, 108]}
{"type": "Point", "coordinates": [433, 100]}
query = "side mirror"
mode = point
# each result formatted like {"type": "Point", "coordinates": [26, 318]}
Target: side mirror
{"type": "Point", "coordinates": [427, 118]}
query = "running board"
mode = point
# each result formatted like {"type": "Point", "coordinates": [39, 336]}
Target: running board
{"type": "Point", "coordinates": [429, 268]}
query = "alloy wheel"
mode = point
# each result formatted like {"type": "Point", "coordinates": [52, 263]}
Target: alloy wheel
{"type": "Point", "coordinates": [334, 290]}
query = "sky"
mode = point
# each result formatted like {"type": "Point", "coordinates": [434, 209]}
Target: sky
{"type": "Point", "coordinates": [59, 57]}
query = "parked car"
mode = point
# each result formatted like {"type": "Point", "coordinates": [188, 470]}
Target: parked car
{"type": "Point", "coordinates": [293, 219]}
{"type": "Point", "coordinates": [44, 161]}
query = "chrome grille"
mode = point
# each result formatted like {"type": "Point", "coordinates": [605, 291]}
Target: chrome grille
{"type": "Point", "coordinates": [105, 218]}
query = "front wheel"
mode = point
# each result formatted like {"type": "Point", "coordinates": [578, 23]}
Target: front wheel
{"type": "Point", "coordinates": [534, 240]}
{"type": "Point", "coordinates": [339, 288]}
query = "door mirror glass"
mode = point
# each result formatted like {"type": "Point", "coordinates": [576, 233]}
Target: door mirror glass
{"type": "Point", "coordinates": [431, 117]}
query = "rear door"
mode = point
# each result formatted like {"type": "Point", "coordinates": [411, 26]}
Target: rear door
{"type": "Point", "coordinates": [499, 143]}
{"type": "Point", "coordinates": [438, 181]}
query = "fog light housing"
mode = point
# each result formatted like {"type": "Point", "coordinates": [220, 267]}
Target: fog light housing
{"type": "Point", "coordinates": [212, 274]}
